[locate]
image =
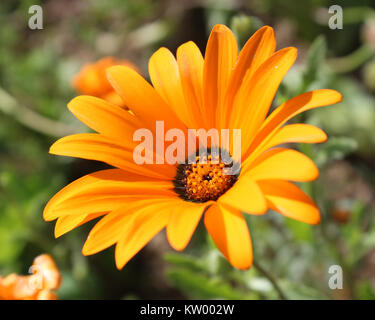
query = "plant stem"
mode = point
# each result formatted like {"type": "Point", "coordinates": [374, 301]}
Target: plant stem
{"type": "Point", "coordinates": [352, 61]}
{"type": "Point", "coordinates": [271, 279]}
{"type": "Point", "coordinates": [31, 119]}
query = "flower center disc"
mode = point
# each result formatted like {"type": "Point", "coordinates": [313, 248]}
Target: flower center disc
{"type": "Point", "coordinates": [205, 179]}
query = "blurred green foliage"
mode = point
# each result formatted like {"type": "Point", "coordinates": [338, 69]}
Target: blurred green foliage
{"type": "Point", "coordinates": [36, 68]}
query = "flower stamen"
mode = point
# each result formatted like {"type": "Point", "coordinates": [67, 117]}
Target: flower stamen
{"type": "Point", "coordinates": [204, 179]}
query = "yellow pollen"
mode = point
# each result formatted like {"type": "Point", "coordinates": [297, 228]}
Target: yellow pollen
{"type": "Point", "coordinates": [204, 180]}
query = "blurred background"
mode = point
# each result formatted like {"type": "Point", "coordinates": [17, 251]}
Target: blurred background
{"type": "Point", "coordinates": [36, 70]}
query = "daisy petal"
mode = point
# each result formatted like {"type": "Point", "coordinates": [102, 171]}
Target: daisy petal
{"type": "Point", "coordinates": [90, 203]}
{"type": "Point", "coordinates": [102, 191]}
{"type": "Point", "coordinates": [299, 132]}
{"type": "Point", "coordinates": [256, 50]}
{"type": "Point", "coordinates": [231, 235]}
{"type": "Point", "coordinates": [110, 229]}
{"type": "Point", "coordinates": [182, 223]}
{"type": "Point", "coordinates": [290, 109]}
{"type": "Point", "coordinates": [256, 93]}
{"type": "Point", "coordinates": [108, 119]}
{"type": "Point", "coordinates": [246, 196]}
{"type": "Point", "coordinates": [93, 146]}
{"type": "Point", "coordinates": [285, 164]}
{"type": "Point", "coordinates": [143, 226]}
{"type": "Point", "coordinates": [190, 64]}
{"type": "Point", "coordinates": [165, 77]}
{"type": "Point", "coordinates": [290, 201]}
{"type": "Point", "coordinates": [220, 58]}
{"type": "Point", "coordinates": [67, 223]}
{"type": "Point", "coordinates": [141, 98]}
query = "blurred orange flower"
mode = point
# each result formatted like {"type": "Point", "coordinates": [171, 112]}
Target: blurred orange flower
{"type": "Point", "coordinates": [45, 279]}
{"type": "Point", "coordinates": [92, 80]}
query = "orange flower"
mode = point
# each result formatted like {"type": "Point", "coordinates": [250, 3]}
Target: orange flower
{"type": "Point", "coordinates": [38, 286]}
{"type": "Point", "coordinates": [92, 80]}
{"type": "Point", "coordinates": [221, 90]}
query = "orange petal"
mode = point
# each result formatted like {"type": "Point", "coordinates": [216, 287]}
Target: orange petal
{"type": "Point", "coordinates": [44, 266]}
{"type": "Point", "coordinates": [281, 163]}
{"type": "Point", "coordinates": [220, 58]}
{"type": "Point", "coordinates": [140, 230]}
{"type": "Point", "coordinates": [91, 203]}
{"type": "Point", "coordinates": [64, 224]}
{"type": "Point", "coordinates": [290, 201]}
{"type": "Point", "coordinates": [256, 93]}
{"type": "Point", "coordinates": [91, 80]}
{"type": "Point", "coordinates": [256, 50]}
{"type": "Point", "coordinates": [165, 77]}
{"type": "Point", "coordinates": [111, 197]}
{"type": "Point", "coordinates": [299, 132]}
{"type": "Point", "coordinates": [231, 235]}
{"type": "Point", "coordinates": [182, 223]}
{"type": "Point", "coordinates": [110, 229]}
{"type": "Point", "coordinates": [245, 195]}
{"type": "Point", "coordinates": [97, 147]}
{"type": "Point", "coordinates": [106, 118]}
{"type": "Point", "coordinates": [21, 287]}
{"type": "Point", "coordinates": [113, 98]}
{"type": "Point", "coordinates": [105, 183]}
{"type": "Point", "coordinates": [141, 98]}
{"type": "Point", "coordinates": [190, 64]}
{"type": "Point", "coordinates": [291, 108]}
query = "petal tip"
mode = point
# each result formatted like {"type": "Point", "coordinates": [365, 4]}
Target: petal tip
{"type": "Point", "coordinates": [244, 267]}
{"type": "Point", "coordinates": [58, 233]}
{"type": "Point", "coordinates": [119, 264]}
{"type": "Point", "coordinates": [267, 29]}
{"type": "Point", "coordinates": [85, 250]}
{"type": "Point", "coordinates": [52, 149]}
{"type": "Point", "coordinates": [219, 28]}
{"type": "Point", "coordinates": [46, 214]}
{"type": "Point", "coordinates": [318, 220]}
{"type": "Point", "coordinates": [176, 245]}
{"type": "Point", "coordinates": [244, 264]}
{"type": "Point", "coordinates": [77, 101]}
{"type": "Point", "coordinates": [339, 96]}
{"type": "Point", "coordinates": [116, 71]}
{"type": "Point", "coordinates": [323, 137]}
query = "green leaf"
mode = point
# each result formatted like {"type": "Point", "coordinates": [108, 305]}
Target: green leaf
{"type": "Point", "coordinates": [298, 291]}
{"type": "Point", "coordinates": [315, 61]}
{"type": "Point", "coordinates": [199, 286]}
{"type": "Point", "coordinates": [184, 260]}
